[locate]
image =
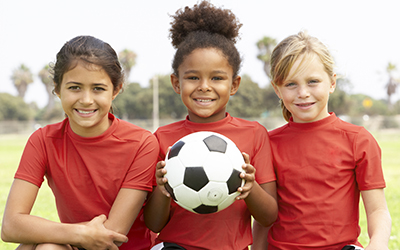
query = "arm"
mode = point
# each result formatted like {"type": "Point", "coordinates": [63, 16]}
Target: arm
{"type": "Point", "coordinates": [378, 218]}
{"type": "Point", "coordinates": [260, 233]}
{"type": "Point", "coordinates": [157, 209]}
{"type": "Point", "coordinates": [260, 199]}
{"type": "Point", "coordinates": [19, 226]}
{"type": "Point", "coordinates": [124, 210]}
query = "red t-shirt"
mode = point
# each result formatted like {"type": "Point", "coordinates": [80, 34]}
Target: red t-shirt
{"type": "Point", "coordinates": [86, 173]}
{"type": "Point", "coordinates": [230, 228]}
{"type": "Point", "coordinates": [320, 169]}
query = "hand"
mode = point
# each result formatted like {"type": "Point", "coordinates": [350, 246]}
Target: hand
{"type": "Point", "coordinates": [96, 236]}
{"type": "Point", "coordinates": [249, 176]}
{"type": "Point", "coordinates": [161, 180]}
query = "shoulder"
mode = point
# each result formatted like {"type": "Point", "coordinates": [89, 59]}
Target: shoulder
{"type": "Point", "coordinates": [128, 131]}
{"type": "Point", "coordinates": [246, 124]}
{"type": "Point", "coordinates": [278, 131]}
{"type": "Point", "coordinates": [170, 128]}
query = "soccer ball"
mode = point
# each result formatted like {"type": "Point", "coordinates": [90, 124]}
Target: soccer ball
{"type": "Point", "coordinates": [203, 171]}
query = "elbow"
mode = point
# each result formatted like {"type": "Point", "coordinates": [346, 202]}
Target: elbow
{"type": "Point", "coordinates": [5, 232]}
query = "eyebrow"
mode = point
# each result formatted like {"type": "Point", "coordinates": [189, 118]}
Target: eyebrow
{"type": "Point", "coordinates": [78, 83]}
{"type": "Point", "coordinates": [214, 72]}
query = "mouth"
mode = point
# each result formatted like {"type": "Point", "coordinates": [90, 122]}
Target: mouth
{"type": "Point", "coordinates": [305, 105]}
{"type": "Point", "coordinates": [203, 100]}
{"type": "Point", "coordinates": [85, 112]}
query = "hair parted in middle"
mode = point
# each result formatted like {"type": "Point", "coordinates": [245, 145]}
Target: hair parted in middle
{"type": "Point", "coordinates": [286, 53]}
{"type": "Point", "coordinates": [205, 26]}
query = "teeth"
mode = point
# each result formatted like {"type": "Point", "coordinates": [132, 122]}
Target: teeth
{"type": "Point", "coordinates": [85, 112]}
{"type": "Point", "coordinates": [204, 100]}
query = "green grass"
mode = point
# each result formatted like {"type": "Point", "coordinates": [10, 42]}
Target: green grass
{"type": "Point", "coordinates": [11, 147]}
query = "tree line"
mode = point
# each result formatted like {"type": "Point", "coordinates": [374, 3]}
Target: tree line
{"type": "Point", "coordinates": [136, 102]}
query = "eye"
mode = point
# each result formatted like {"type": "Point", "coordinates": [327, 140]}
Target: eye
{"type": "Point", "coordinates": [217, 78]}
{"type": "Point", "coordinates": [192, 78]}
{"type": "Point", "coordinates": [290, 84]}
{"type": "Point", "coordinates": [74, 87]}
{"type": "Point", "coordinates": [99, 89]}
{"type": "Point", "coordinates": [314, 81]}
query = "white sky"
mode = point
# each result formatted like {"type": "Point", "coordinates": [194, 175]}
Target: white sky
{"type": "Point", "coordinates": [363, 35]}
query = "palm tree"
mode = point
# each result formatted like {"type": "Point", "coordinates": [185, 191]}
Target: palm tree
{"type": "Point", "coordinates": [265, 46]}
{"type": "Point", "coordinates": [45, 77]}
{"type": "Point", "coordinates": [128, 60]}
{"type": "Point", "coordinates": [392, 83]}
{"type": "Point", "coordinates": [21, 78]}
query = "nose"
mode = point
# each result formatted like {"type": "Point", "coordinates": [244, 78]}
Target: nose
{"type": "Point", "coordinates": [303, 92]}
{"type": "Point", "coordinates": [204, 86]}
{"type": "Point", "coordinates": [86, 97]}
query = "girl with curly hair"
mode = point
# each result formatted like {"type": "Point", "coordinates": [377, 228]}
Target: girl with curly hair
{"type": "Point", "coordinates": [205, 75]}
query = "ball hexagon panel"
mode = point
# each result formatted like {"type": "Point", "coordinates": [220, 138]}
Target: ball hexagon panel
{"type": "Point", "coordinates": [193, 154]}
{"type": "Point", "coordinates": [213, 193]}
{"type": "Point", "coordinates": [189, 196]}
{"type": "Point", "coordinates": [176, 167]}
{"type": "Point", "coordinates": [218, 166]}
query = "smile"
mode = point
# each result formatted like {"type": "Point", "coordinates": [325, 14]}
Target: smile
{"type": "Point", "coordinates": [203, 100]}
{"type": "Point", "coordinates": [304, 104]}
{"type": "Point", "coordinates": [85, 112]}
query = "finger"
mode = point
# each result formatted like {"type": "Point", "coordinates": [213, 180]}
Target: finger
{"type": "Point", "coordinates": [117, 237]}
{"type": "Point", "coordinates": [246, 158]}
{"type": "Point", "coordinates": [160, 164]}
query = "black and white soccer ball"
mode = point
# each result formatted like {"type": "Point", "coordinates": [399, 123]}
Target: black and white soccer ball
{"type": "Point", "coordinates": [203, 172]}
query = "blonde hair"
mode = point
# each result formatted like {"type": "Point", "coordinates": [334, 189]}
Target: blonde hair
{"type": "Point", "coordinates": [286, 53]}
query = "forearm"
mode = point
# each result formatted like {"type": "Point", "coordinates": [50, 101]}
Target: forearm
{"type": "Point", "coordinates": [379, 227]}
{"type": "Point", "coordinates": [29, 229]}
{"type": "Point", "coordinates": [156, 211]}
{"type": "Point", "coordinates": [260, 234]}
{"type": "Point", "coordinates": [262, 205]}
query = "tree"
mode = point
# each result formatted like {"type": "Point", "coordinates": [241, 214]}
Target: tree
{"type": "Point", "coordinates": [134, 102]}
{"type": "Point", "coordinates": [127, 59]}
{"type": "Point", "coordinates": [392, 84]}
{"type": "Point", "coordinates": [45, 77]}
{"type": "Point", "coordinates": [21, 78]}
{"type": "Point", "coordinates": [265, 46]}
{"type": "Point", "coordinates": [170, 103]}
{"type": "Point", "coordinates": [248, 100]}
{"type": "Point", "coordinates": [14, 108]}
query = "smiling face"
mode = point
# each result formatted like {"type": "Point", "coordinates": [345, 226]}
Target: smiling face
{"type": "Point", "coordinates": [205, 83]}
{"type": "Point", "coordinates": [86, 93]}
{"type": "Point", "coordinates": [305, 92]}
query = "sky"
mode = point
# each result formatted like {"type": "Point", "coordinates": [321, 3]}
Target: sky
{"type": "Point", "coordinates": [362, 35]}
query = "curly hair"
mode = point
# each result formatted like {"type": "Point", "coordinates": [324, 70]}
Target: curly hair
{"type": "Point", "coordinates": [205, 26]}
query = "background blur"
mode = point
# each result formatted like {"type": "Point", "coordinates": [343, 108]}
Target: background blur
{"type": "Point", "coordinates": [363, 36]}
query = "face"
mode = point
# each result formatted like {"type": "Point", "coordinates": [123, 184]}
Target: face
{"type": "Point", "coordinates": [86, 94]}
{"type": "Point", "coordinates": [205, 84]}
{"type": "Point", "coordinates": [305, 92]}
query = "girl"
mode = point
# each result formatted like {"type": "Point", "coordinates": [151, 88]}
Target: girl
{"type": "Point", "coordinates": [205, 75]}
{"type": "Point", "coordinates": [322, 163]}
{"type": "Point", "coordinates": [100, 168]}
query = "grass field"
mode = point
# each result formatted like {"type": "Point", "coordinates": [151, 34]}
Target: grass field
{"type": "Point", "coordinates": [11, 147]}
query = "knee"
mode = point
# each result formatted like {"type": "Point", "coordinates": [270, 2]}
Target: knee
{"type": "Point", "coordinates": [53, 247]}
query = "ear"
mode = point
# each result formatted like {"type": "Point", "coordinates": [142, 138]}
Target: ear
{"type": "Point", "coordinates": [333, 84]}
{"type": "Point", "coordinates": [116, 91]}
{"type": "Point", "coordinates": [55, 90]}
{"type": "Point", "coordinates": [276, 89]}
{"type": "Point", "coordinates": [175, 83]}
{"type": "Point", "coordinates": [235, 85]}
